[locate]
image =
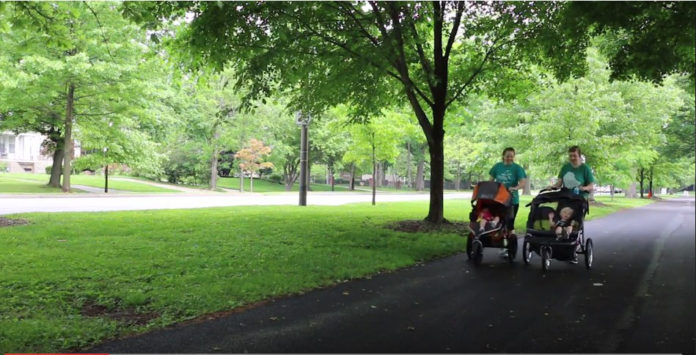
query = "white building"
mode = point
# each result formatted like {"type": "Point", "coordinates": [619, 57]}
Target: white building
{"type": "Point", "coordinates": [22, 153]}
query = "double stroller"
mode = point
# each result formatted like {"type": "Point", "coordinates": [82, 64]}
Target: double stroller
{"type": "Point", "coordinates": [544, 241]}
{"type": "Point", "coordinates": [497, 199]}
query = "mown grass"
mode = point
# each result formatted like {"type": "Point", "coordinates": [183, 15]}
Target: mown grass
{"type": "Point", "coordinates": [180, 264]}
{"type": "Point", "coordinates": [261, 185]}
{"type": "Point", "coordinates": [87, 180]}
{"type": "Point", "coordinates": [12, 185]}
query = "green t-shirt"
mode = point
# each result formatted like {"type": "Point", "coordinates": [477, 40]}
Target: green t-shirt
{"type": "Point", "coordinates": [508, 175]}
{"type": "Point", "coordinates": [576, 177]}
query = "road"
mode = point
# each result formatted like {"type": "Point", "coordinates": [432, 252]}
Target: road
{"type": "Point", "coordinates": [103, 202]}
{"type": "Point", "coordinates": [638, 298]}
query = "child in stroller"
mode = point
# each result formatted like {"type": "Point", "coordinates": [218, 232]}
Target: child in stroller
{"type": "Point", "coordinates": [563, 227]}
{"type": "Point", "coordinates": [487, 219]}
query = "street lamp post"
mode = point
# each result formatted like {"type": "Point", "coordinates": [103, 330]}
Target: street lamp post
{"type": "Point", "coordinates": [106, 172]}
{"type": "Point", "coordinates": [303, 121]}
{"type": "Point", "coordinates": [106, 164]}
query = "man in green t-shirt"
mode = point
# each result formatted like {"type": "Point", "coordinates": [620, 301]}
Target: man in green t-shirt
{"type": "Point", "coordinates": [576, 175]}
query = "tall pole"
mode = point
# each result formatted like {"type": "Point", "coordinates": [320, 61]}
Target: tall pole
{"type": "Point", "coordinates": [303, 166]}
{"type": "Point", "coordinates": [303, 121]}
{"type": "Point", "coordinates": [106, 170]}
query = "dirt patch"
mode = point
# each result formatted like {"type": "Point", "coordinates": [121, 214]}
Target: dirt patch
{"type": "Point", "coordinates": [6, 222]}
{"type": "Point", "coordinates": [126, 315]}
{"type": "Point", "coordinates": [420, 226]}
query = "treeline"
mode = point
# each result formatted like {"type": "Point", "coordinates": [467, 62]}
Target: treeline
{"type": "Point", "coordinates": [80, 72]}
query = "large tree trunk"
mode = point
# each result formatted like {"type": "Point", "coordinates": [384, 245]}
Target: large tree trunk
{"type": "Point", "coordinates": [527, 188]}
{"type": "Point", "coordinates": [611, 192]}
{"type": "Point", "coordinates": [352, 177]}
{"type": "Point", "coordinates": [420, 175]}
{"type": "Point", "coordinates": [650, 182]}
{"type": "Point", "coordinates": [437, 178]}
{"type": "Point", "coordinates": [631, 191]}
{"type": "Point", "coordinates": [54, 181]}
{"type": "Point", "coordinates": [290, 173]}
{"type": "Point", "coordinates": [331, 176]}
{"type": "Point", "coordinates": [409, 180]}
{"type": "Point", "coordinates": [251, 182]}
{"type": "Point", "coordinates": [641, 179]}
{"type": "Point", "coordinates": [214, 161]}
{"type": "Point", "coordinates": [241, 180]}
{"type": "Point", "coordinates": [68, 144]}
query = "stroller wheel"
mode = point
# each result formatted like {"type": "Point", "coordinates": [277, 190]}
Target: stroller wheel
{"type": "Point", "coordinates": [477, 252]}
{"type": "Point", "coordinates": [512, 248]}
{"type": "Point", "coordinates": [545, 258]}
{"type": "Point", "coordinates": [589, 255]}
{"type": "Point", "coordinates": [526, 252]}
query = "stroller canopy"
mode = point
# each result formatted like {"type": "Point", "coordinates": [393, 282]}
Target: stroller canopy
{"type": "Point", "coordinates": [493, 191]}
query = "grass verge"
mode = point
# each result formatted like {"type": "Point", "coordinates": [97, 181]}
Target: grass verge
{"type": "Point", "coordinates": [70, 280]}
{"type": "Point", "coordinates": [261, 185]}
{"type": "Point", "coordinates": [21, 183]}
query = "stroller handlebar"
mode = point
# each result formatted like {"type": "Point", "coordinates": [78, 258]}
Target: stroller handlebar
{"type": "Point", "coordinates": [549, 189]}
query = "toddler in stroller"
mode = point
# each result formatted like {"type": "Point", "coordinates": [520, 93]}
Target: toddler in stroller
{"type": "Point", "coordinates": [487, 219]}
{"type": "Point", "coordinates": [564, 226]}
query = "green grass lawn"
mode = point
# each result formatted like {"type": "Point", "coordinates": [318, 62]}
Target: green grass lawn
{"type": "Point", "coordinates": [87, 180]}
{"type": "Point", "coordinates": [261, 185]}
{"type": "Point", "coordinates": [168, 266]}
{"type": "Point", "coordinates": [676, 195]}
{"type": "Point", "coordinates": [12, 186]}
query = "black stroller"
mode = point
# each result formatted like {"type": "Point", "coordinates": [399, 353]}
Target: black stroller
{"type": "Point", "coordinates": [497, 198]}
{"type": "Point", "coordinates": [544, 241]}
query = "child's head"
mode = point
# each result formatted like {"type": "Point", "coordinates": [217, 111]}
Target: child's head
{"type": "Point", "coordinates": [566, 213]}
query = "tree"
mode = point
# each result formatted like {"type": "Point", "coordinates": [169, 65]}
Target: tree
{"type": "Point", "coordinates": [78, 60]}
{"type": "Point", "coordinates": [370, 57]}
{"type": "Point", "coordinates": [373, 142]}
{"type": "Point", "coordinates": [251, 158]}
{"type": "Point", "coordinates": [331, 140]}
{"type": "Point", "coordinates": [653, 39]}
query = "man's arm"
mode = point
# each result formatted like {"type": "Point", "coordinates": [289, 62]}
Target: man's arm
{"type": "Point", "coordinates": [590, 180]}
{"type": "Point", "coordinates": [587, 188]}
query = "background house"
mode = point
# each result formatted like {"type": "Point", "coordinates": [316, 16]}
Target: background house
{"type": "Point", "coordinates": [22, 152]}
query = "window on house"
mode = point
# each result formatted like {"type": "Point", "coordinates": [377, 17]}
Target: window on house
{"type": "Point", "coordinates": [12, 149]}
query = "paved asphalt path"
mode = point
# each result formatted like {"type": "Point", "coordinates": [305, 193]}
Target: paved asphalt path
{"type": "Point", "coordinates": [639, 297]}
{"type": "Point", "coordinates": [10, 204]}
